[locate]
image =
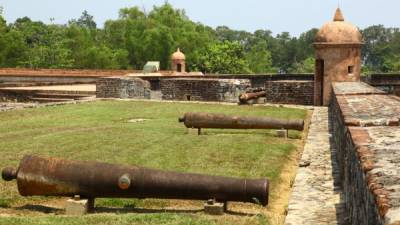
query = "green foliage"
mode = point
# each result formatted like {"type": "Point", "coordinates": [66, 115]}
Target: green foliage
{"type": "Point", "coordinates": [259, 58]}
{"type": "Point", "coordinates": [138, 36]}
{"type": "Point", "coordinates": [306, 66]}
{"type": "Point", "coordinates": [223, 57]}
{"type": "Point", "coordinates": [381, 50]}
{"type": "Point", "coordinates": [85, 21]}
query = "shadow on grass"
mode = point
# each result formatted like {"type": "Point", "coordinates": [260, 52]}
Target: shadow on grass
{"type": "Point", "coordinates": [156, 211]}
{"type": "Point", "coordinates": [293, 135]}
{"type": "Point", "coordinates": [143, 210]}
{"type": "Point", "coordinates": [41, 209]}
{"type": "Point", "coordinates": [123, 210]}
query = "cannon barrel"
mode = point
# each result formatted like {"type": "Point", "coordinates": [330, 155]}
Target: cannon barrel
{"type": "Point", "coordinates": [39, 176]}
{"type": "Point", "coordinates": [245, 97]}
{"type": "Point", "coordinates": [221, 121]}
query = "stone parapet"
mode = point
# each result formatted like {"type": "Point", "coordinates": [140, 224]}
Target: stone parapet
{"type": "Point", "coordinates": [366, 132]}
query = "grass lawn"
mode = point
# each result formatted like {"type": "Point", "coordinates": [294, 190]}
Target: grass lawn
{"type": "Point", "coordinates": [102, 131]}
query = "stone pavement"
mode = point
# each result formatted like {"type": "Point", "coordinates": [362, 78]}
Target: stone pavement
{"type": "Point", "coordinates": [355, 88]}
{"type": "Point", "coordinates": [316, 197]}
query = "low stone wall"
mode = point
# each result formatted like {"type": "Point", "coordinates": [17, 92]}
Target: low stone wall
{"type": "Point", "coordinates": [256, 80]}
{"type": "Point", "coordinates": [365, 124]}
{"type": "Point", "coordinates": [389, 83]}
{"type": "Point", "coordinates": [295, 92]}
{"type": "Point", "coordinates": [122, 87]}
{"type": "Point", "coordinates": [203, 89]}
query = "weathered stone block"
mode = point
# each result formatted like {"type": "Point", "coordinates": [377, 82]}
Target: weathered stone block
{"type": "Point", "coordinates": [78, 207]}
{"type": "Point", "coordinates": [214, 208]}
{"type": "Point", "coordinates": [282, 133]}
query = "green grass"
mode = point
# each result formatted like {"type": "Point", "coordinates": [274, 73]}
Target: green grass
{"type": "Point", "coordinates": [101, 131]}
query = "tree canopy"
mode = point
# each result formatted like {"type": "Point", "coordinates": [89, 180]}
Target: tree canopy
{"type": "Point", "coordinates": [136, 37]}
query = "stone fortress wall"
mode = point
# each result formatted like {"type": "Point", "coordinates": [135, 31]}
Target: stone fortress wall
{"type": "Point", "coordinates": [365, 126]}
{"type": "Point", "coordinates": [281, 89]}
{"type": "Point", "coordinates": [279, 86]}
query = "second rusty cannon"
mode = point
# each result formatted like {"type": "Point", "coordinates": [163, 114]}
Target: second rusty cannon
{"type": "Point", "coordinates": [43, 176]}
{"type": "Point", "coordinates": [222, 121]}
{"type": "Point", "coordinates": [246, 97]}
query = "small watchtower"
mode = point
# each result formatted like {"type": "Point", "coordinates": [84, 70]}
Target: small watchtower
{"type": "Point", "coordinates": [338, 56]}
{"type": "Point", "coordinates": [178, 62]}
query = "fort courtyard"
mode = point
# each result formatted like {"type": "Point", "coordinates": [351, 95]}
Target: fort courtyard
{"type": "Point", "coordinates": [177, 144]}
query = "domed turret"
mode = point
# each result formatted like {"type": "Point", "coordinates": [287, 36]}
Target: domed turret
{"type": "Point", "coordinates": [178, 62]}
{"type": "Point", "coordinates": [338, 56]}
{"type": "Point", "coordinates": [178, 55]}
{"type": "Point", "coordinates": [338, 31]}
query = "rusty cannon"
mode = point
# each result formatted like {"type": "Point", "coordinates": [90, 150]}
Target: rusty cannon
{"type": "Point", "coordinates": [246, 97]}
{"type": "Point", "coordinates": [222, 121]}
{"type": "Point", "coordinates": [39, 176]}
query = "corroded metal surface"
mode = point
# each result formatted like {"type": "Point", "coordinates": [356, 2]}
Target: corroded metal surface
{"type": "Point", "coordinates": [221, 121]}
{"type": "Point", "coordinates": [245, 97]}
{"type": "Point", "coordinates": [38, 176]}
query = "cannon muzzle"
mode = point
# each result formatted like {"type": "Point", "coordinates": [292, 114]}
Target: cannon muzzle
{"type": "Point", "coordinates": [38, 176]}
{"type": "Point", "coordinates": [221, 121]}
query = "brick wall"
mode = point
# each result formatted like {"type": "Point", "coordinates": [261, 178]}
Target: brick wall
{"type": "Point", "coordinates": [203, 89]}
{"type": "Point", "coordinates": [365, 124]}
{"type": "Point", "coordinates": [290, 92]}
{"type": "Point", "coordinates": [122, 87]}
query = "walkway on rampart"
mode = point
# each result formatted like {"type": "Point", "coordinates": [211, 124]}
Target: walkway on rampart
{"type": "Point", "coordinates": [89, 88]}
{"type": "Point", "coordinates": [316, 197]}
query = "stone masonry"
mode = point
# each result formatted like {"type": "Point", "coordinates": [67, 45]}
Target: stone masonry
{"type": "Point", "coordinates": [122, 87]}
{"type": "Point", "coordinates": [316, 197]}
{"type": "Point", "coordinates": [367, 135]}
{"type": "Point", "coordinates": [290, 92]}
{"type": "Point", "coordinates": [203, 89]}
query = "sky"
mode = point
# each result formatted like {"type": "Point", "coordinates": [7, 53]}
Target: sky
{"type": "Point", "coordinates": [293, 16]}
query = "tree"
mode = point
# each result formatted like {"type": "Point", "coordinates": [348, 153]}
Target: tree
{"type": "Point", "coordinates": [259, 58]}
{"type": "Point", "coordinates": [305, 66]}
{"type": "Point", "coordinates": [138, 36]}
{"type": "Point", "coordinates": [86, 21]}
{"type": "Point", "coordinates": [3, 42]}
{"type": "Point", "coordinates": [223, 58]}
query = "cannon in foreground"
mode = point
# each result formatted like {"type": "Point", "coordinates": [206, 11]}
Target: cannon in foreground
{"type": "Point", "coordinates": [246, 97]}
{"type": "Point", "coordinates": [221, 121]}
{"type": "Point", "coordinates": [38, 176]}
